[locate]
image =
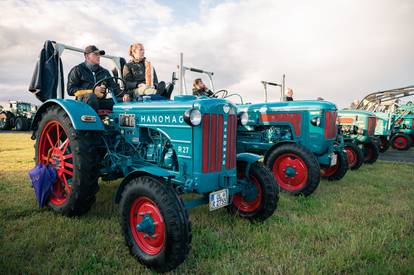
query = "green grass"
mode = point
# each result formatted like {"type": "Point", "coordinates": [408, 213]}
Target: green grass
{"type": "Point", "coordinates": [362, 224]}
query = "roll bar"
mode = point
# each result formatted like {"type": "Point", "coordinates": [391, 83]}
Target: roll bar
{"type": "Point", "coordinates": [60, 48]}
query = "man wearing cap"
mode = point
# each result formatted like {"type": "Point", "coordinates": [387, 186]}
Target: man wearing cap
{"type": "Point", "coordinates": [84, 76]}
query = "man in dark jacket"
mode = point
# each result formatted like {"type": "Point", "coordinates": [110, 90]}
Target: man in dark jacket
{"type": "Point", "coordinates": [83, 77]}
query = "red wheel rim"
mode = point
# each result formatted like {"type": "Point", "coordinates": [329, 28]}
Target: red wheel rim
{"type": "Point", "coordinates": [248, 206]}
{"type": "Point", "coordinates": [54, 149]}
{"type": "Point", "coordinates": [329, 171]}
{"type": "Point", "coordinates": [298, 176]}
{"type": "Point", "coordinates": [352, 156]}
{"type": "Point", "coordinates": [400, 142]}
{"type": "Point", "coordinates": [151, 244]}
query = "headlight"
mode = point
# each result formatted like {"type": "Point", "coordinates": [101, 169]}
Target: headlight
{"type": "Point", "coordinates": [192, 117]}
{"type": "Point", "coordinates": [243, 118]}
{"type": "Point", "coordinates": [316, 121]}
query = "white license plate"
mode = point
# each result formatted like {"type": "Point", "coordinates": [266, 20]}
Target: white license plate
{"type": "Point", "coordinates": [334, 159]}
{"type": "Point", "coordinates": [218, 199]}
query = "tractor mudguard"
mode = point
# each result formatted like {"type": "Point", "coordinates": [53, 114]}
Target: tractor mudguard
{"type": "Point", "coordinates": [75, 110]}
{"type": "Point", "coordinates": [249, 158]}
{"type": "Point", "coordinates": [142, 171]}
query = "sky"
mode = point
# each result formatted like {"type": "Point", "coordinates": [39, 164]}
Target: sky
{"type": "Point", "coordinates": [336, 49]}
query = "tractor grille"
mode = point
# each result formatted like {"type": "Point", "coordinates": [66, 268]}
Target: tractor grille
{"type": "Point", "coordinates": [231, 142]}
{"type": "Point", "coordinates": [330, 124]}
{"type": "Point", "coordinates": [371, 125]}
{"type": "Point", "coordinates": [217, 133]}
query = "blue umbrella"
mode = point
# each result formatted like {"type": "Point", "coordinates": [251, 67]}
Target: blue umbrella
{"type": "Point", "coordinates": [43, 177]}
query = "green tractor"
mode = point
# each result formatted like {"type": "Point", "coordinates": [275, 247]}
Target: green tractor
{"type": "Point", "coordinates": [16, 114]}
{"type": "Point", "coordinates": [357, 128]}
{"type": "Point", "coordinates": [394, 120]}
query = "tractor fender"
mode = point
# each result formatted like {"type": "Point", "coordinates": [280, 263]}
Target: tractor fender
{"type": "Point", "coordinates": [249, 158]}
{"type": "Point", "coordinates": [142, 171]}
{"type": "Point", "coordinates": [267, 153]}
{"type": "Point", "coordinates": [75, 110]}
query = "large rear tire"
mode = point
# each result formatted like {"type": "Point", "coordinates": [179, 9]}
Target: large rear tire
{"type": "Point", "coordinates": [371, 152]}
{"type": "Point", "coordinates": [337, 171]}
{"type": "Point", "coordinates": [74, 156]}
{"type": "Point", "coordinates": [6, 120]}
{"type": "Point", "coordinates": [354, 154]}
{"type": "Point", "coordinates": [295, 169]}
{"type": "Point", "coordinates": [155, 223]}
{"type": "Point", "coordinates": [401, 142]}
{"type": "Point", "coordinates": [260, 195]}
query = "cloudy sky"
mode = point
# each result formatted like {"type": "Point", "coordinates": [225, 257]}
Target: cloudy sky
{"type": "Point", "coordinates": [339, 50]}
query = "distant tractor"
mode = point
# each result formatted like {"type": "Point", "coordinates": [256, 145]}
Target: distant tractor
{"type": "Point", "coordinates": [16, 114]}
{"type": "Point", "coordinates": [161, 149]}
{"type": "Point", "coordinates": [357, 128]}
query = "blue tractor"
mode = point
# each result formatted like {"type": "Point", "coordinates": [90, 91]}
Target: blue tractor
{"type": "Point", "coordinates": [296, 139]}
{"type": "Point", "coordinates": [160, 149]}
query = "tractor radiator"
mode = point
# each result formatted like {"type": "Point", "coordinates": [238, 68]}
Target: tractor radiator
{"type": "Point", "coordinates": [372, 121]}
{"type": "Point", "coordinates": [219, 142]}
{"type": "Point", "coordinates": [330, 124]}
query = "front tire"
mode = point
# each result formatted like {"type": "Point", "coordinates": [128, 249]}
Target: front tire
{"type": "Point", "coordinates": [337, 171]}
{"type": "Point", "coordinates": [302, 165]}
{"type": "Point", "coordinates": [155, 223]}
{"type": "Point", "coordinates": [74, 156]}
{"type": "Point", "coordinates": [371, 152]}
{"type": "Point", "coordinates": [384, 144]}
{"type": "Point", "coordinates": [401, 142]}
{"type": "Point", "coordinates": [259, 197]}
{"type": "Point", "coordinates": [354, 154]}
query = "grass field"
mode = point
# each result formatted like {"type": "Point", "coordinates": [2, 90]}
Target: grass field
{"type": "Point", "coordinates": [362, 224]}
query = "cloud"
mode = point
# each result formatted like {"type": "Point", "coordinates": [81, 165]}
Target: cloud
{"type": "Point", "coordinates": [338, 50]}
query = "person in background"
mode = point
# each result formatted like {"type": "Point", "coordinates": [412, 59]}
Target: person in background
{"type": "Point", "coordinates": [200, 89]}
{"type": "Point", "coordinates": [354, 104]}
{"type": "Point", "coordinates": [289, 94]}
{"type": "Point", "coordinates": [83, 77]}
{"type": "Point", "coordinates": [139, 75]}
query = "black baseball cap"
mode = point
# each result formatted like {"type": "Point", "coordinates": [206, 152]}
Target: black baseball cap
{"type": "Point", "coordinates": [93, 49]}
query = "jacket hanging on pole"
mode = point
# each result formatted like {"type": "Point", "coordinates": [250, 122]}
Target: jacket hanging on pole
{"type": "Point", "coordinates": [45, 76]}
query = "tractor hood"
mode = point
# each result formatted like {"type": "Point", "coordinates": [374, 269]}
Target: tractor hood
{"type": "Point", "coordinates": [311, 105]}
{"type": "Point", "coordinates": [179, 104]}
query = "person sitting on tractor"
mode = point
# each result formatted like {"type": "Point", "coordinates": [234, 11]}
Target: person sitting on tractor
{"type": "Point", "coordinates": [83, 77]}
{"type": "Point", "coordinates": [200, 89]}
{"type": "Point", "coordinates": [139, 75]}
{"type": "Point", "coordinates": [289, 94]}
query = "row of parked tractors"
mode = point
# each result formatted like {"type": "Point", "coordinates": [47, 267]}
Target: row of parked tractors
{"type": "Point", "coordinates": [236, 156]}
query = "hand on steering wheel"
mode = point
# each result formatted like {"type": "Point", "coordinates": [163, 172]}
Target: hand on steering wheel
{"type": "Point", "coordinates": [224, 92]}
{"type": "Point", "coordinates": [107, 80]}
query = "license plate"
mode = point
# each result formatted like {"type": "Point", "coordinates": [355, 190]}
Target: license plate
{"type": "Point", "coordinates": [334, 159]}
{"type": "Point", "coordinates": [218, 199]}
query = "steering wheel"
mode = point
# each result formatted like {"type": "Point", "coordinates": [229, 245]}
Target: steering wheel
{"type": "Point", "coordinates": [115, 79]}
{"type": "Point", "coordinates": [224, 92]}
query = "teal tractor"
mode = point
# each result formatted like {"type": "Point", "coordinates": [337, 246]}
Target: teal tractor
{"type": "Point", "coordinates": [161, 149]}
{"type": "Point", "coordinates": [297, 139]}
{"type": "Point", "coordinates": [357, 128]}
{"type": "Point", "coordinates": [394, 120]}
